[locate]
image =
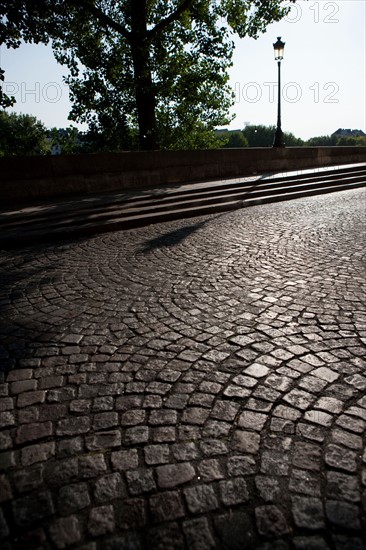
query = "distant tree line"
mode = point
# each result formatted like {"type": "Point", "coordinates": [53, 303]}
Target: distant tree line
{"type": "Point", "coordinates": [262, 136]}
{"type": "Point", "coordinates": [22, 134]}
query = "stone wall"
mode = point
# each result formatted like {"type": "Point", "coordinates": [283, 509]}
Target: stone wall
{"type": "Point", "coordinates": [25, 178]}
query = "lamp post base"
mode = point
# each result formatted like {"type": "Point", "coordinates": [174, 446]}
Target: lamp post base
{"type": "Point", "coordinates": [278, 139]}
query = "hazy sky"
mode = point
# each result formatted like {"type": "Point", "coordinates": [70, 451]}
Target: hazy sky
{"type": "Point", "coordinates": [323, 73]}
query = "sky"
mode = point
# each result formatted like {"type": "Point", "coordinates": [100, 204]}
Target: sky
{"type": "Point", "coordinates": [323, 73]}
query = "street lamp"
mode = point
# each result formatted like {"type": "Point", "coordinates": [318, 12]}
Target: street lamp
{"type": "Point", "coordinates": [279, 48]}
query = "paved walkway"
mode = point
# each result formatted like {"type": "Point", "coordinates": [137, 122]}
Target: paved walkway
{"type": "Point", "coordinates": [194, 385]}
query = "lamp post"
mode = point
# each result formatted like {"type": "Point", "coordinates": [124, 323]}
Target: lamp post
{"type": "Point", "coordinates": [279, 48]}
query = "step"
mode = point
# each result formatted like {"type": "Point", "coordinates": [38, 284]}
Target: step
{"type": "Point", "coordinates": [87, 202]}
{"type": "Point", "coordinates": [137, 220]}
{"type": "Point", "coordinates": [178, 201]}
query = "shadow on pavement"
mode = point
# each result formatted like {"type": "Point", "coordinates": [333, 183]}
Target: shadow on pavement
{"type": "Point", "coordinates": [173, 238]}
{"type": "Point", "coordinates": [25, 279]}
{"type": "Point", "coordinates": [176, 237]}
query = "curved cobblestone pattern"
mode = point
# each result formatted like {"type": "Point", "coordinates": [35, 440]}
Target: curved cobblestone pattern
{"type": "Point", "coordinates": [198, 384]}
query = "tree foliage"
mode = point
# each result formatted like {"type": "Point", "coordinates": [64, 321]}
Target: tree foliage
{"type": "Point", "coordinates": [322, 141]}
{"type": "Point", "coordinates": [22, 135]}
{"type": "Point", "coordinates": [65, 140]}
{"type": "Point", "coordinates": [359, 141]}
{"type": "Point", "coordinates": [259, 135]}
{"type": "Point", "coordinates": [232, 140]}
{"type": "Point", "coordinates": [159, 66]}
{"type": "Point", "coordinates": [263, 136]}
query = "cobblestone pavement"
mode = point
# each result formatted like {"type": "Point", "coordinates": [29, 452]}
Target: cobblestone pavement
{"type": "Point", "coordinates": [198, 384]}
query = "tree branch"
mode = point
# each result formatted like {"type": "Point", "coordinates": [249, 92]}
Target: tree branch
{"type": "Point", "coordinates": [102, 17]}
{"type": "Point", "coordinates": [184, 6]}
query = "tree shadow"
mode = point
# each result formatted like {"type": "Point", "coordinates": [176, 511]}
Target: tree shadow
{"type": "Point", "coordinates": [172, 238]}
{"type": "Point", "coordinates": [176, 237]}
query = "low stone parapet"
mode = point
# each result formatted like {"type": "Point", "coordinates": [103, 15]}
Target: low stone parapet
{"type": "Point", "coordinates": [27, 178]}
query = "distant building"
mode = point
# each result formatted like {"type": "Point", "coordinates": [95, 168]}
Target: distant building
{"type": "Point", "coordinates": [56, 149]}
{"type": "Point", "coordinates": [342, 132]}
{"type": "Point", "coordinates": [63, 140]}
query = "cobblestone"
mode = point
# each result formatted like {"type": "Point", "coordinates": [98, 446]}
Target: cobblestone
{"type": "Point", "coordinates": [308, 512]}
{"type": "Point", "coordinates": [31, 508]}
{"type": "Point", "coordinates": [101, 521]}
{"type": "Point", "coordinates": [343, 486]}
{"type": "Point", "coordinates": [343, 514]}
{"type": "Point", "coordinates": [175, 474]}
{"type": "Point", "coordinates": [140, 481]}
{"type": "Point", "coordinates": [270, 521]}
{"type": "Point", "coordinates": [339, 457]}
{"type": "Point", "coordinates": [201, 498]}
{"type": "Point", "coordinates": [28, 479]}
{"type": "Point", "coordinates": [246, 442]}
{"type": "Point", "coordinates": [65, 531]}
{"type": "Point", "coordinates": [197, 385]}
{"type": "Point", "coordinates": [37, 453]}
{"type": "Point", "coordinates": [305, 482]}
{"type": "Point", "coordinates": [73, 497]}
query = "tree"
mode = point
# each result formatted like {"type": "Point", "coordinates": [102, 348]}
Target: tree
{"type": "Point", "coordinates": [234, 139]}
{"type": "Point", "coordinates": [260, 135]}
{"type": "Point", "coordinates": [352, 141]}
{"type": "Point", "coordinates": [22, 135]}
{"type": "Point", "coordinates": [360, 141]}
{"type": "Point", "coordinates": [322, 141]}
{"type": "Point", "coordinates": [263, 136]}
{"type": "Point", "coordinates": [5, 100]}
{"type": "Point", "coordinates": [292, 141]}
{"type": "Point", "coordinates": [155, 64]}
